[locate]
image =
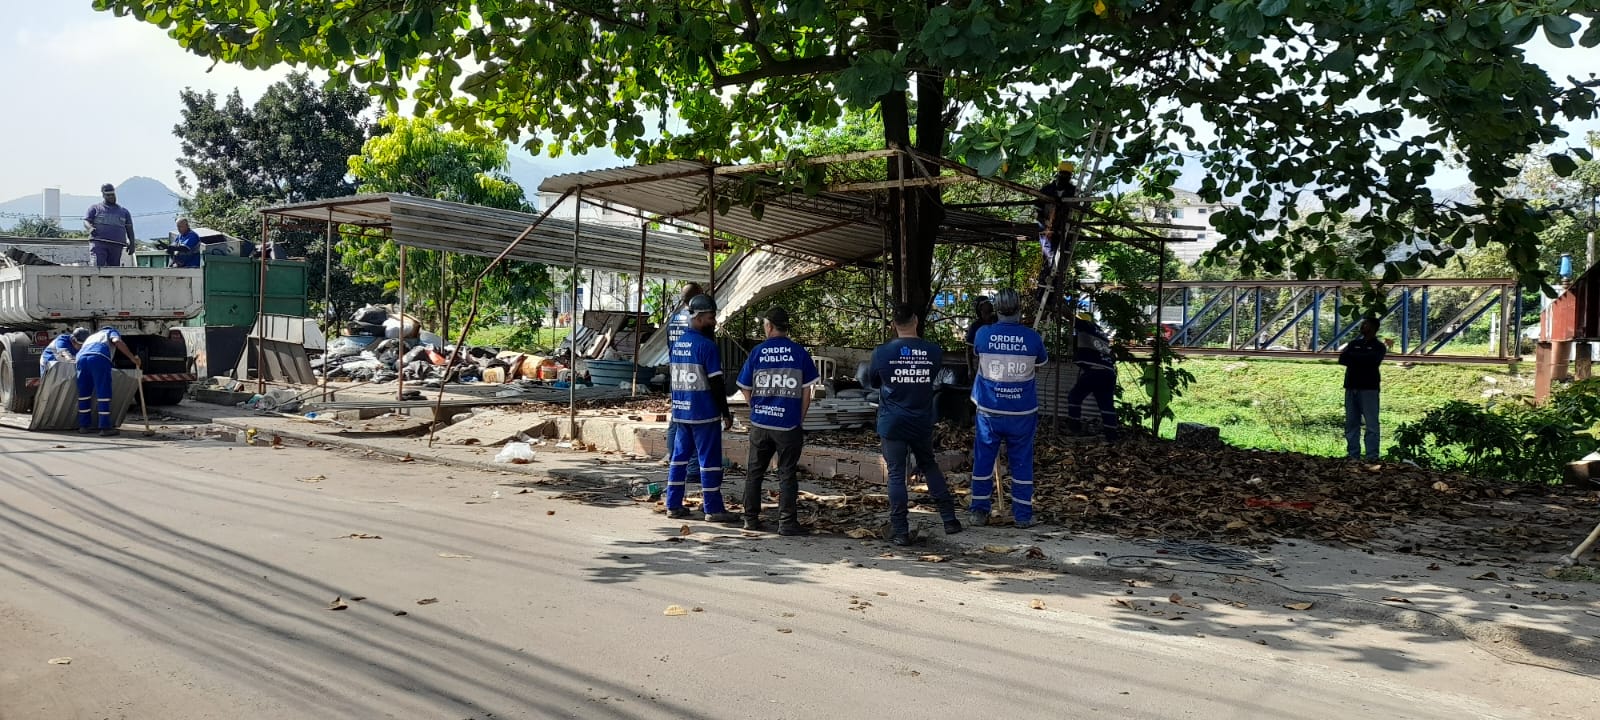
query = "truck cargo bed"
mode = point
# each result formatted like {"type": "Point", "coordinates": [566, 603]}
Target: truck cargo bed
{"type": "Point", "coordinates": [44, 296]}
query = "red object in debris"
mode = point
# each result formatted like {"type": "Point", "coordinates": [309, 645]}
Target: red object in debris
{"type": "Point", "coordinates": [436, 358]}
{"type": "Point", "coordinates": [1279, 504]}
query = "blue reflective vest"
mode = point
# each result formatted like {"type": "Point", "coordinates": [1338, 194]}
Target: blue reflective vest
{"type": "Point", "coordinates": [1009, 354]}
{"type": "Point", "coordinates": [59, 350]}
{"type": "Point", "coordinates": [1094, 347]}
{"type": "Point", "coordinates": [777, 374]}
{"type": "Point", "coordinates": [694, 361]}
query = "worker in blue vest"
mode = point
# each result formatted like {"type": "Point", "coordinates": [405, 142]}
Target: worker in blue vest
{"type": "Point", "coordinates": [62, 349]}
{"type": "Point", "coordinates": [776, 381]}
{"type": "Point", "coordinates": [905, 371]}
{"type": "Point", "coordinates": [94, 379]}
{"type": "Point", "coordinates": [676, 324]}
{"type": "Point", "coordinates": [1097, 375]}
{"type": "Point", "coordinates": [700, 408]}
{"type": "Point", "coordinates": [1007, 400]}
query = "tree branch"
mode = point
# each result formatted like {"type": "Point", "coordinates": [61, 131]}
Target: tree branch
{"type": "Point", "coordinates": [785, 68]}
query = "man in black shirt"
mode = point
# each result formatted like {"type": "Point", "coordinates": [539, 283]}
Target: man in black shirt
{"type": "Point", "coordinates": [905, 371]}
{"type": "Point", "coordinates": [1051, 218]}
{"type": "Point", "coordinates": [1360, 359]}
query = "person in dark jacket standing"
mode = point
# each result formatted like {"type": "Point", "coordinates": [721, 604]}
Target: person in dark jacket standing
{"type": "Point", "coordinates": [700, 408]}
{"type": "Point", "coordinates": [905, 371]}
{"type": "Point", "coordinates": [776, 381]}
{"type": "Point", "coordinates": [1097, 375]}
{"type": "Point", "coordinates": [110, 228]}
{"type": "Point", "coordinates": [1361, 358]}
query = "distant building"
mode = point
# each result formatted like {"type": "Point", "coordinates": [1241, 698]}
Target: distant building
{"type": "Point", "coordinates": [1186, 208]}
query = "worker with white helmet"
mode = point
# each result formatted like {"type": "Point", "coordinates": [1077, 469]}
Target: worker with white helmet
{"type": "Point", "coordinates": [1007, 400]}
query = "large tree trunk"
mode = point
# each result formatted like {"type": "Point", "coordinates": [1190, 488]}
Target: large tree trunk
{"type": "Point", "coordinates": [922, 209]}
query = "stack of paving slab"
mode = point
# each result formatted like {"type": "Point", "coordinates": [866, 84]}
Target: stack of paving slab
{"type": "Point", "coordinates": [840, 414]}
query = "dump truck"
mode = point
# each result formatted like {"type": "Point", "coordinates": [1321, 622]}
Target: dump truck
{"type": "Point", "coordinates": [147, 305]}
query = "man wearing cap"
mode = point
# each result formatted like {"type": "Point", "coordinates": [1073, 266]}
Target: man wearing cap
{"type": "Point", "coordinates": [110, 228]}
{"type": "Point", "coordinates": [1097, 375]}
{"type": "Point", "coordinates": [94, 378]}
{"type": "Point", "coordinates": [776, 381]}
{"type": "Point", "coordinates": [62, 349]}
{"type": "Point", "coordinates": [905, 372]}
{"type": "Point", "coordinates": [1007, 399]}
{"type": "Point", "coordinates": [1051, 219]}
{"type": "Point", "coordinates": [700, 406]}
{"type": "Point", "coordinates": [983, 310]}
{"type": "Point", "coordinates": [676, 325]}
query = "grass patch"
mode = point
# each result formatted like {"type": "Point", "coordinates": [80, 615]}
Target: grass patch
{"type": "Point", "coordinates": [1577, 573]}
{"type": "Point", "coordinates": [1299, 405]}
{"type": "Point", "coordinates": [517, 337]}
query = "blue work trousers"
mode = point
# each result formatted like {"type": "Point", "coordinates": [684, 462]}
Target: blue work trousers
{"type": "Point", "coordinates": [701, 444]}
{"type": "Point", "coordinates": [896, 455]}
{"type": "Point", "coordinates": [94, 391]}
{"type": "Point", "coordinates": [1361, 408]}
{"type": "Point", "coordinates": [1016, 433]}
{"type": "Point", "coordinates": [673, 428]}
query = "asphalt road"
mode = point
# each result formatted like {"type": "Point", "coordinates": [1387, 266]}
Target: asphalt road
{"type": "Point", "coordinates": [193, 579]}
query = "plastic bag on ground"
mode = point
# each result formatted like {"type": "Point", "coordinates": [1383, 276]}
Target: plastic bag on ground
{"type": "Point", "coordinates": [516, 453]}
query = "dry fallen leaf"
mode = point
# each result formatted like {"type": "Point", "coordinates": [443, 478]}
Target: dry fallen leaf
{"type": "Point", "coordinates": [357, 598]}
{"type": "Point", "coordinates": [1125, 603]}
{"type": "Point", "coordinates": [996, 549]}
{"type": "Point", "coordinates": [1302, 606]}
{"type": "Point", "coordinates": [455, 556]}
{"type": "Point", "coordinates": [408, 458]}
{"type": "Point", "coordinates": [1441, 486]}
{"type": "Point", "coordinates": [61, 661]}
{"type": "Point", "coordinates": [362, 536]}
{"type": "Point", "coordinates": [698, 609]}
{"type": "Point", "coordinates": [933, 558]}
{"type": "Point", "coordinates": [1433, 566]}
{"type": "Point", "coordinates": [1036, 604]}
{"type": "Point", "coordinates": [1175, 599]}
{"type": "Point", "coordinates": [685, 530]}
{"type": "Point", "coordinates": [427, 601]}
{"type": "Point", "coordinates": [549, 512]}
{"type": "Point", "coordinates": [314, 479]}
{"type": "Point", "coordinates": [399, 613]}
{"type": "Point", "coordinates": [1034, 553]}
{"type": "Point", "coordinates": [337, 604]}
{"type": "Point", "coordinates": [860, 534]}
{"type": "Point", "coordinates": [674, 611]}
{"type": "Point", "coordinates": [1491, 575]}
{"type": "Point", "coordinates": [785, 631]}
{"type": "Point", "coordinates": [1396, 599]}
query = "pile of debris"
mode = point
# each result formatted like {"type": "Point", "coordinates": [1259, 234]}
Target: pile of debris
{"type": "Point", "coordinates": [380, 346]}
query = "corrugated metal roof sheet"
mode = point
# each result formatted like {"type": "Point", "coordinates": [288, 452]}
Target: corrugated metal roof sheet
{"type": "Point", "coordinates": [473, 230]}
{"type": "Point", "coordinates": [744, 280]}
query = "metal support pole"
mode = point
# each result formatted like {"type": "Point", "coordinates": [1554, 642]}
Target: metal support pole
{"type": "Point", "coordinates": [1516, 337]}
{"type": "Point", "coordinates": [638, 317]}
{"type": "Point", "coordinates": [1256, 338]}
{"type": "Point", "coordinates": [400, 376]}
{"type": "Point", "coordinates": [1338, 300]}
{"type": "Point", "coordinates": [1423, 338]}
{"type": "Point", "coordinates": [261, 314]}
{"type": "Point", "coordinates": [1233, 320]}
{"type": "Point", "coordinates": [1316, 319]}
{"type": "Point", "coordinates": [1184, 337]}
{"type": "Point", "coordinates": [327, 301]}
{"type": "Point", "coordinates": [1158, 344]}
{"type": "Point", "coordinates": [1405, 320]}
{"type": "Point", "coordinates": [572, 334]}
{"type": "Point", "coordinates": [711, 230]}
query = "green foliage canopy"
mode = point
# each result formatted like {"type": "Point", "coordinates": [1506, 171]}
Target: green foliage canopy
{"type": "Point", "coordinates": [1350, 103]}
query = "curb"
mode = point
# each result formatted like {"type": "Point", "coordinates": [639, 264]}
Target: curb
{"type": "Point", "coordinates": [1508, 641]}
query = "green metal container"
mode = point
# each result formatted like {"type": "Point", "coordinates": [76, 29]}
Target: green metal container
{"type": "Point", "coordinates": [231, 285]}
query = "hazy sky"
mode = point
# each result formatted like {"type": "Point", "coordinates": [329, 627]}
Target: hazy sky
{"type": "Point", "coordinates": [92, 98]}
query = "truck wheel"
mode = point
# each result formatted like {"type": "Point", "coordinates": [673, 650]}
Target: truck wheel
{"type": "Point", "coordinates": [14, 397]}
{"type": "Point", "coordinates": [157, 396]}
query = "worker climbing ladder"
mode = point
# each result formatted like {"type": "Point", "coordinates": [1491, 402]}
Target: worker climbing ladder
{"type": "Point", "coordinates": [1052, 299]}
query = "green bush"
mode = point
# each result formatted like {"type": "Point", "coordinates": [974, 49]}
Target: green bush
{"type": "Point", "coordinates": [1514, 442]}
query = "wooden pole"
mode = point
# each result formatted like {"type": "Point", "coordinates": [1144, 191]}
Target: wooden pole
{"type": "Point", "coordinates": [711, 224]}
{"type": "Point", "coordinates": [1158, 344]}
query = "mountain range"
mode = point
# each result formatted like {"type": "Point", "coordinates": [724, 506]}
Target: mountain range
{"type": "Point", "coordinates": [153, 204]}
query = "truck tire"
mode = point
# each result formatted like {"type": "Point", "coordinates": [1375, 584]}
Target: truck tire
{"type": "Point", "coordinates": [163, 395]}
{"type": "Point", "coordinates": [15, 396]}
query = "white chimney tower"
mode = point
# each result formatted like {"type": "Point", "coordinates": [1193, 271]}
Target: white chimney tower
{"type": "Point", "coordinates": [52, 204]}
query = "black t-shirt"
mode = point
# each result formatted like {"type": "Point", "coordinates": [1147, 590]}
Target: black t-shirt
{"type": "Point", "coordinates": [904, 371]}
{"type": "Point", "coordinates": [1361, 359]}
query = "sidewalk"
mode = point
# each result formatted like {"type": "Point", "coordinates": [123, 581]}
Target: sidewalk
{"type": "Point", "coordinates": [1510, 609]}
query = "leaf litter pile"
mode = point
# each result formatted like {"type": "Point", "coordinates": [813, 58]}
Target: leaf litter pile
{"type": "Point", "coordinates": [1144, 488]}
